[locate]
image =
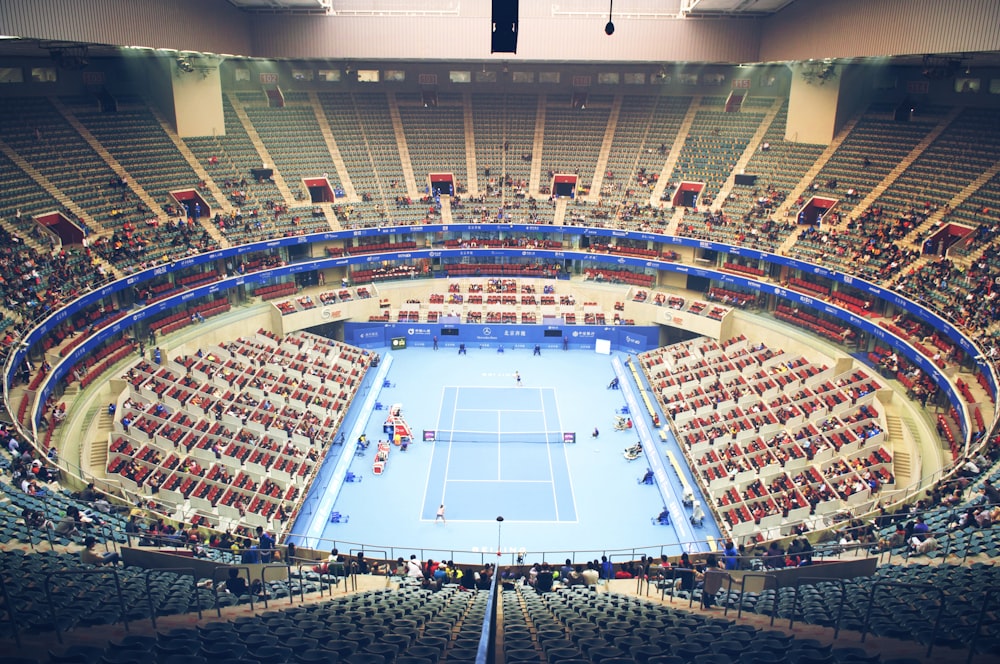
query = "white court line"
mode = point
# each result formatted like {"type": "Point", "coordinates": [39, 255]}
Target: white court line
{"type": "Point", "coordinates": [498, 481]}
{"type": "Point", "coordinates": [499, 456]}
{"type": "Point", "coordinates": [562, 449]}
{"type": "Point", "coordinates": [447, 463]}
{"type": "Point", "coordinates": [430, 465]}
{"type": "Point", "coordinates": [511, 520]}
{"type": "Point", "coordinates": [548, 453]}
{"type": "Point", "coordinates": [533, 432]}
{"type": "Point", "coordinates": [498, 410]}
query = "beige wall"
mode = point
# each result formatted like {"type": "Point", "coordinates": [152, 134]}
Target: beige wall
{"type": "Point", "coordinates": [198, 100]}
{"type": "Point", "coordinates": [803, 30]}
{"type": "Point", "coordinates": [812, 109]}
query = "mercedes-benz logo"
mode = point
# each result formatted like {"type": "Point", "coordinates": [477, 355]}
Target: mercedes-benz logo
{"type": "Point", "coordinates": [487, 331]}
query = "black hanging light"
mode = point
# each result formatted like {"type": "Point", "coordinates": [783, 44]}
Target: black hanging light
{"type": "Point", "coordinates": [609, 29]}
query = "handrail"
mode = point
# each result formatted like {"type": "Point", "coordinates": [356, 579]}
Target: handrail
{"type": "Point", "coordinates": [767, 578]}
{"type": "Point", "coordinates": [879, 585]}
{"type": "Point", "coordinates": [988, 594]}
{"type": "Point", "coordinates": [484, 650]}
{"type": "Point", "coordinates": [215, 584]}
{"type": "Point", "coordinates": [673, 579]}
{"type": "Point", "coordinates": [82, 572]}
{"type": "Point", "coordinates": [263, 581]}
{"type": "Point", "coordinates": [353, 551]}
{"type": "Point", "coordinates": [724, 576]}
{"type": "Point", "coordinates": [149, 589]}
{"type": "Point", "coordinates": [302, 585]}
{"type": "Point", "coordinates": [11, 613]}
{"type": "Point", "coordinates": [840, 607]}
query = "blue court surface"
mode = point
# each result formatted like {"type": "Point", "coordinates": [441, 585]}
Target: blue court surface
{"type": "Point", "coordinates": [492, 443]}
{"type": "Point", "coordinates": [497, 450]}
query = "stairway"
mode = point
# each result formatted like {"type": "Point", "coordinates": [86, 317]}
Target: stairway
{"type": "Point", "coordinates": [956, 200]}
{"type": "Point", "coordinates": [789, 242]}
{"type": "Point", "coordinates": [98, 453]}
{"type": "Point", "coordinates": [199, 170]}
{"type": "Point", "coordinates": [910, 463]}
{"type": "Point", "coordinates": [900, 445]}
{"type": "Point", "coordinates": [810, 176]}
{"type": "Point", "coordinates": [113, 163]}
{"type": "Point", "coordinates": [602, 157]}
{"type": "Point", "coordinates": [28, 240]}
{"type": "Point", "coordinates": [902, 468]}
{"type": "Point", "coordinates": [47, 185]}
{"type": "Point", "coordinates": [446, 217]}
{"type": "Point", "coordinates": [898, 170]}
{"type": "Point", "coordinates": [748, 153]}
{"type": "Point", "coordinates": [537, 145]}
{"type": "Point", "coordinates": [675, 152]}
{"type": "Point", "coordinates": [403, 148]}
{"type": "Point", "coordinates": [913, 266]}
{"type": "Point", "coordinates": [472, 186]}
{"type": "Point", "coordinates": [265, 156]}
{"type": "Point", "coordinates": [109, 268]}
{"type": "Point", "coordinates": [331, 216]}
{"type": "Point", "coordinates": [675, 221]}
{"type": "Point", "coordinates": [331, 145]}
{"type": "Point", "coordinates": [562, 204]}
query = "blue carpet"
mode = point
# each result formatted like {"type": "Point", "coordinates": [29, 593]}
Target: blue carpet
{"type": "Point", "coordinates": [555, 497]}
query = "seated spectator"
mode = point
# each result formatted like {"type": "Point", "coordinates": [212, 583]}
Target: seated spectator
{"type": "Point", "coordinates": [91, 556]}
{"type": "Point", "coordinates": [35, 520]}
{"type": "Point", "coordinates": [991, 493]}
{"type": "Point", "coordinates": [68, 526]}
{"type": "Point", "coordinates": [237, 585]}
{"type": "Point", "coordinates": [590, 575]}
{"type": "Point", "coordinates": [543, 582]}
{"type": "Point", "coordinates": [924, 546]}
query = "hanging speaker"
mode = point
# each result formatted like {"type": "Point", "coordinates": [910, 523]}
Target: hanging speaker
{"type": "Point", "coordinates": [504, 27]}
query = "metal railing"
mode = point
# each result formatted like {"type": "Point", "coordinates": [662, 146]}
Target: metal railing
{"type": "Point", "coordinates": [801, 581]}
{"type": "Point", "coordinates": [11, 611]}
{"type": "Point", "coordinates": [100, 571]}
{"type": "Point", "coordinates": [888, 585]}
{"type": "Point", "coordinates": [990, 594]}
{"type": "Point", "coordinates": [217, 577]}
{"type": "Point", "coordinates": [175, 570]}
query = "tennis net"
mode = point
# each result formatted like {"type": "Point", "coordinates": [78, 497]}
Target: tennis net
{"type": "Point", "coordinates": [464, 436]}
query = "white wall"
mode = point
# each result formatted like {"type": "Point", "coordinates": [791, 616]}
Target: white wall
{"type": "Point", "coordinates": [189, 25]}
{"type": "Point", "coordinates": [803, 30]}
{"type": "Point", "coordinates": [856, 89]}
{"type": "Point", "coordinates": [198, 101]}
{"type": "Point", "coordinates": [812, 109]}
{"type": "Point", "coordinates": [862, 28]}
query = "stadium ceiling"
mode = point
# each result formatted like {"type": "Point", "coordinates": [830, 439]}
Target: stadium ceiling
{"type": "Point", "coordinates": [730, 7]}
{"type": "Point", "coordinates": [291, 6]}
{"type": "Point", "coordinates": [633, 8]}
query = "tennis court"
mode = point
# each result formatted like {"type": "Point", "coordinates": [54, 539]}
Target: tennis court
{"type": "Point", "coordinates": [554, 496]}
{"type": "Point", "coordinates": [499, 450]}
